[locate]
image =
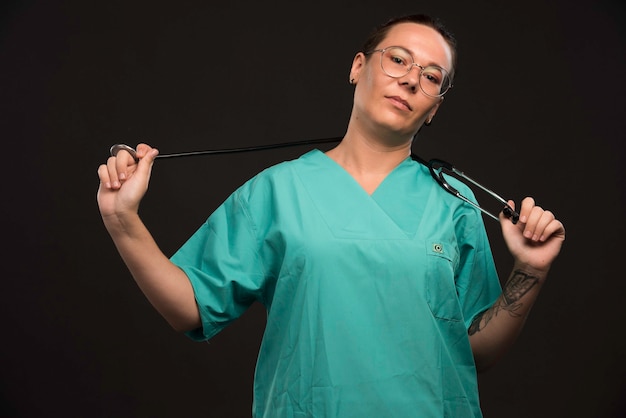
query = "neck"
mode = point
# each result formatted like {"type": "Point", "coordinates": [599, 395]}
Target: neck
{"type": "Point", "coordinates": [361, 154]}
{"type": "Point", "coordinates": [369, 161]}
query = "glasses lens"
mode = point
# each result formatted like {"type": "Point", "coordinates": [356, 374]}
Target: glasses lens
{"type": "Point", "coordinates": [434, 81]}
{"type": "Point", "coordinates": [396, 62]}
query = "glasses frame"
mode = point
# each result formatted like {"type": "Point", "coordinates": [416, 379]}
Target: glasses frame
{"type": "Point", "coordinates": [410, 67]}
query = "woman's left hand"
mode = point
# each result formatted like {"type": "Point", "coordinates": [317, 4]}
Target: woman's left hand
{"type": "Point", "coordinates": [536, 239]}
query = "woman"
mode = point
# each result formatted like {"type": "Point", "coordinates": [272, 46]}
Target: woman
{"type": "Point", "coordinates": [382, 295]}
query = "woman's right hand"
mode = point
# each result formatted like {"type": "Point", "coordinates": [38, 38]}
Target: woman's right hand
{"type": "Point", "coordinates": [124, 182]}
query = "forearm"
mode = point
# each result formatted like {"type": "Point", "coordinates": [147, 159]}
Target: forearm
{"type": "Point", "coordinates": [494, 331]}
{"type": "Point", "coordinates": [165, 285]}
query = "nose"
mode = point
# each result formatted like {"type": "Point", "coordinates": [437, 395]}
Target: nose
{"type": "Point", "coordinates": [411, 78]}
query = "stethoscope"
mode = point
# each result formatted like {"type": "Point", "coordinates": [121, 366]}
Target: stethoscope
{"type": "Point", "coordinates": [436, 167]}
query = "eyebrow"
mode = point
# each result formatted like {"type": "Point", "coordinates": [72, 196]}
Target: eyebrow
{"type": "Point", "coordinates": [430, 64]}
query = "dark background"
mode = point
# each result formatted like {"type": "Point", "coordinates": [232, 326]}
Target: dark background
{"type": "Point", "coordinates": [537, 109]}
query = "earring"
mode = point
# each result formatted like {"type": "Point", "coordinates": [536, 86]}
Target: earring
{"type": "Point", "coordinates": [428, 122]}
{"type": "Point", "coordinates": [352, 81]}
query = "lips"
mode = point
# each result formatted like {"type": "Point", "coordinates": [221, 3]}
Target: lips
{"type": "Point", "coordinates": [400, 101]}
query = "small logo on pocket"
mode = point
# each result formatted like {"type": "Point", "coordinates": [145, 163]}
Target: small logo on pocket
{"type": "Point", "coordinates": [438, 248]}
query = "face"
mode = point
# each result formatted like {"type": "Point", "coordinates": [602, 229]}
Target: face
{"type": "Point", "coordinates": [397, 105]}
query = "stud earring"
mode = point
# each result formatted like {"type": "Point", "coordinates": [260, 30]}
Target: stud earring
{"type": "Point", "coordinates": [352, 81]}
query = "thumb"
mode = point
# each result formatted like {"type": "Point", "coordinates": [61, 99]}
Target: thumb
{"type": "Point", "coordinates": [506, 219]}
{"type": "Point", "coordinates": [146, 160]}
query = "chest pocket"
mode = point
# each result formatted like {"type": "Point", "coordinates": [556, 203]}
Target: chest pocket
{"type": "Point", "coordinates": [440, 286]}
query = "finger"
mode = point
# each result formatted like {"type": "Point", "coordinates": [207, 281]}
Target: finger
{"type": "Point", "coordinates": [526, 208]}
{"type": "Point", "coordinates": [103, 175]}
{"type": "Point", "coordinates": [143, 150]}
{"type": "Point", "coordinates": [540, 230]}
{"type": "Point", "coordinates": [554, 229]}
{"type": "Point", "coordinates": [112, 170]}
{"type": "Point", "coordinates": [147, 160]}
{"type": "Point", "coordinates": [532, 222]}
{"type": "Point", "coordinates": [123, 161]}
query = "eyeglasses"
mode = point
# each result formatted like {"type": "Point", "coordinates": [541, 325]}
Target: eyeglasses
{"type": "Point", "coordinates": [397, 62]}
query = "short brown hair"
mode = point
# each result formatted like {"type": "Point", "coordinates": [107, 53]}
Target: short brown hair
{"type": "Point", "coordinates": [380, 32]}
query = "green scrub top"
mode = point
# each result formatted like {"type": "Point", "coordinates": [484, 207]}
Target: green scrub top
{"type": "Point", "coordinates": [369, 297]}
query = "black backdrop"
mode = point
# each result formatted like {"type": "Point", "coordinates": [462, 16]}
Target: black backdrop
{"type": "Point", "coordinates": [538, 108]}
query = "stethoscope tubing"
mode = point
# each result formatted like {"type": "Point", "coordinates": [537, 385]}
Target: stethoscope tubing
{"type": "Point", "coordinates": [433, 165]}
{"type": "Point", "coordinates": [118, 147]}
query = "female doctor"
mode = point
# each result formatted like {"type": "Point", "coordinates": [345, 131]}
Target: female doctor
{"type": "Point", "coordinates": [380, 288]}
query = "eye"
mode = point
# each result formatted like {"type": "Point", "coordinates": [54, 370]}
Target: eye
{"type": "Point", "coordinates": [398, 56]}
{"type": "Point", "coordinates": [433, 75]}
{"type": "Point", "coordinates": [398, 59]}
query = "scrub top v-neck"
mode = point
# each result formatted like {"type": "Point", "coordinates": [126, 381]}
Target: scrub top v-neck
{"type": "Point", "coordinates": [368, 296]}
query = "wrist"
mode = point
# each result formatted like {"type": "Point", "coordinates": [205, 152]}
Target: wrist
{"type": "Point", "coordinates": [122, 223]}
{"type": "Point", "coordinates": [528, 269]}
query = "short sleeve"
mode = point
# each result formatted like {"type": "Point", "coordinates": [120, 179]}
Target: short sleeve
{"type": "Point", "coordinates": [222, 262]}
{"type": "Point", "coordinates": [477, 281]}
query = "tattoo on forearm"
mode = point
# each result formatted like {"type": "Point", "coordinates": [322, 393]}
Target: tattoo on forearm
{"type": "Point", "coordinates": [480, 321]}
{"type": "Point", "coordinates": [515, 288]}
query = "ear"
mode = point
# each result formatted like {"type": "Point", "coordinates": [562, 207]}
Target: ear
{"type": "Point", "coordinates": [357, 64]}
{"type": "Point", "coordinates": [433, 111]}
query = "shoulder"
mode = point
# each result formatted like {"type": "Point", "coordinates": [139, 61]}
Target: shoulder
{"type": "Point", "coordinates": [277, 179]}
{"type": "Point", "coordinates": [284, 171]}
{"type": "Point", "coordinates": [462, 214]}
